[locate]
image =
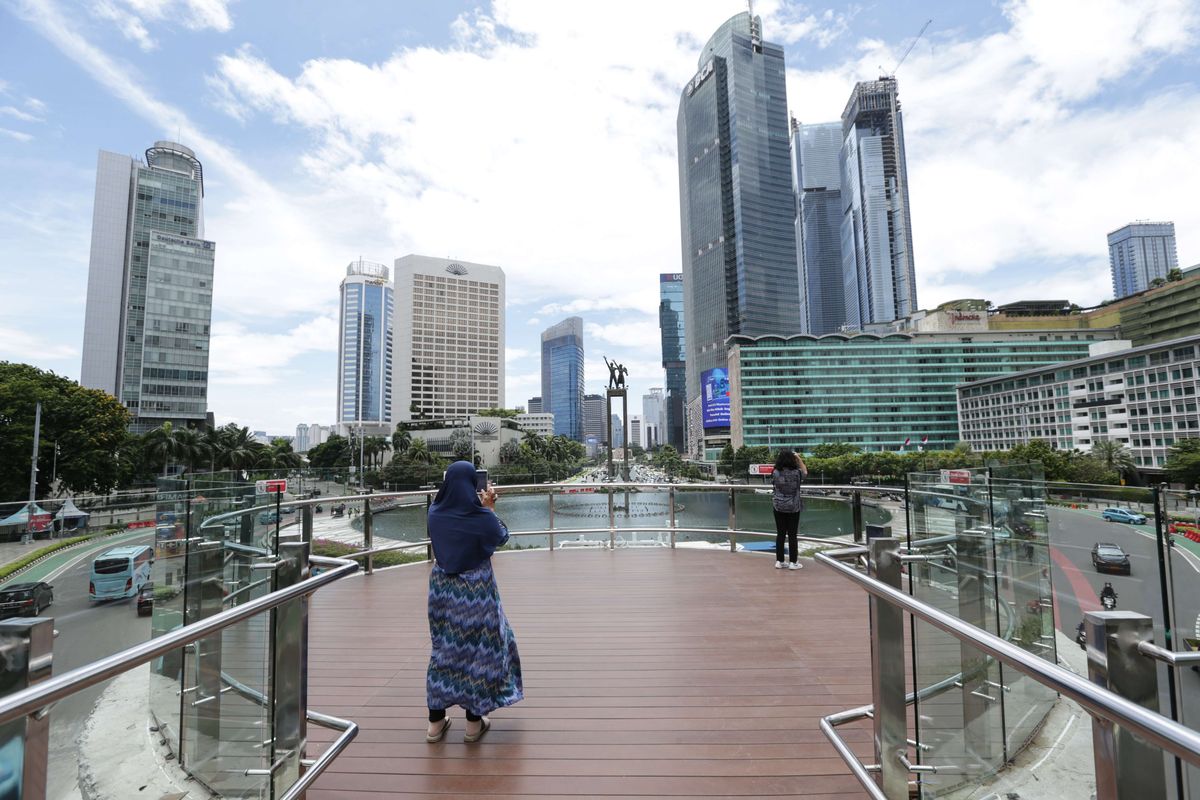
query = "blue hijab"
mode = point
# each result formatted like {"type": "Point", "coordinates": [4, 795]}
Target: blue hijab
{"type": "Point", "coordinates": [464, 533]}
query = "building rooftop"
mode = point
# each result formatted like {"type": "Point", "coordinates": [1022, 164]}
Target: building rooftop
{"type": "Point", "coordinates": [648, 673]}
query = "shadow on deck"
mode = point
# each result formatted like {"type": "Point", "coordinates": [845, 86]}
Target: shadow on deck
{"type": "Point", "coordinates": [648, 673]}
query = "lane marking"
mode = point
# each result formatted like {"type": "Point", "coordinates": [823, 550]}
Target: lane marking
{"type": "Point", "coordinates": [1066, 729]}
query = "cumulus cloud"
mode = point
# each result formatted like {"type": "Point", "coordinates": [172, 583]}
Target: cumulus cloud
{"type": "Point", "coordinates": [21, 345]}
{"type": "Point", "coordinates": [253, 358]}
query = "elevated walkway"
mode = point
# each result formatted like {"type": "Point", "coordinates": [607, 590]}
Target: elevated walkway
{"type": "Point", "coordinates": [648, 673]}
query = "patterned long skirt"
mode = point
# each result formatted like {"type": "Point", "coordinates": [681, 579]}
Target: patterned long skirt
{"type": "Point", "coordinates": [474, 663]}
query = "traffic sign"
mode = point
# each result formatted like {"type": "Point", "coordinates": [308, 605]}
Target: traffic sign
{"type": "Point", "coordinates": [962, 476]}
{"type": "Point", "coordinates": [271, 487]}
{"type": "Point", "coordinates": [762, 469]}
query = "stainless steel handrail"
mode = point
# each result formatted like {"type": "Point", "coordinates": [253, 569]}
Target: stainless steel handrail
{"type": "Point", "coordinates": [1155, 728]}
{"type": "Point", "coordinates": [35, 698]}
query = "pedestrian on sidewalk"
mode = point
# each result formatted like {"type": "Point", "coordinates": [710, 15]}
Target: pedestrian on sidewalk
{"type": "Point", "coordinates": [787, 479]}
{"type": "Point", "coordinates": [474, 662]}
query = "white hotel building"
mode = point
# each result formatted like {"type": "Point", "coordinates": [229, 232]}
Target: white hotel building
{"type": "Point", "coordinates": [449, 338]}
{"type": "Point", "coordinates": [1143, 397]}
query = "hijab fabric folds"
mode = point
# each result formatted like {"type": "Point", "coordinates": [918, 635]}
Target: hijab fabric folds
{"type": "Point", "coordinates": [464, 533]}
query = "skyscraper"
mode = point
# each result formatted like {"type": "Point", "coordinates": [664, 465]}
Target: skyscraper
{"type": "Point", "coordinates": [815, 150]}
{"type": "Point", "coordinates": [149, 298]}
{"type": "Point", "coordinates": [562, 376]}
{"type": "Point", "coordinates": [535, 405]}
{"type": "Point", "coordinates": [365, 366]}
{"type": "Point", "coordinates": [449, 339]}
{"type": "Point", "coordinates": [593, 417]}
{"type": "Point", "coordinates": [737, 207]}
{"type": "Point", "coordinates": [617, 431]}
{"type": "Point", "coordinates": [880, 281]}
{"type": "Point", "coordinates": [1140, 252]}
{"type": "Point", "coordinates": [674, 358]}
{"type": "Point", "coordinates": [654, 414]}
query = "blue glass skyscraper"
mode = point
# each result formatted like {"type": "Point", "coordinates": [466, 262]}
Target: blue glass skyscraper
{"type": "Point", "coordinates": [365, 348]}
{"type": "Point", "coordinates": [1140, 252]}
{"type": "Point", "coordinates": [562, 376]}
{"type": "Point", "coordinates": [737, 207]}
{"type": "Point", "coordinates": [674, 358]}
{"type": "Point", "coordinates": [815, 151]}
{"type": "Point", "coordinates": [880, 282]}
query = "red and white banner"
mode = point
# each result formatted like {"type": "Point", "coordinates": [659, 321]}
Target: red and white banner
{"type": "Point", "coordinates": [762, 469]}
{"type": "Point", "coordinates": [270, 487]}
{"type": "Point", "coordinates": [960, 476]}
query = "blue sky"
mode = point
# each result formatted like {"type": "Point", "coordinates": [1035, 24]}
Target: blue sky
{"type": "Point", "coordinates": [540, 136]}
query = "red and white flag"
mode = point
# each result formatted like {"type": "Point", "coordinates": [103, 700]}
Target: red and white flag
{"type": "Point", "coordinates": [924, 440]}
{"type": "Point", "coordinates": [906, 441]}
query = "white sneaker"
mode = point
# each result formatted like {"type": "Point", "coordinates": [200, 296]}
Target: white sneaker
{"type": "Point", "coordinates": [795, 565]}
{"type": "Point", "coordinates": [778, 565]}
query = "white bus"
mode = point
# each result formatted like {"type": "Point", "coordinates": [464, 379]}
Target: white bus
{"type": "Point", "coordinates": [120, 572]}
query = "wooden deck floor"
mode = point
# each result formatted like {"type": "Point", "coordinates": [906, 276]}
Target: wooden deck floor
{"type": "Point", "coordinates": [648, 673]}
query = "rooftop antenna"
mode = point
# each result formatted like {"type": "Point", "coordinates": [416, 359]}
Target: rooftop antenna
{"type": "Point", "coordinates": [907, 50]}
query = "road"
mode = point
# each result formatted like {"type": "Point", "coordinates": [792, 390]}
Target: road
{"type": "Point", "coordinates": [86, 632]}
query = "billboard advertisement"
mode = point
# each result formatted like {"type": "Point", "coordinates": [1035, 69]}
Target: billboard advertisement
{"type": "Point", "coordinates": [714, 398]}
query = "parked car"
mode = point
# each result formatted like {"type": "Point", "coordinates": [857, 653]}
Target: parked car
{"type": "Point", "coordinates": [1123, 515]}
{"type": "Point", "coordinates": [267, 517]}
{"type": "Point", "coordinates": [1107, 556]}
{"type": "Point", "coordinates": [145, 600]}
{"type": "Point", "coordinates": [25, 599]}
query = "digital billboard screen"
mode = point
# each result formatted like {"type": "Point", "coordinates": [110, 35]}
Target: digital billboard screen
{"type": "Point", "coordinates": [714, 398]}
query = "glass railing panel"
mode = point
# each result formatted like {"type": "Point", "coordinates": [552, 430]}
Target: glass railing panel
{"type": "Point", "coordinates": [959, 708]}
{"type": "Point", "coordinates": [697, 508]}
{"type": "Point", "coordinates": [637, 510]}
{"type": "Point", "coordinates": [1180, 513]}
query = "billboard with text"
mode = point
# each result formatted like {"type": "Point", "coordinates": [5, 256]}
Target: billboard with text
{"type": "Point", "coordinates": [714, 398]}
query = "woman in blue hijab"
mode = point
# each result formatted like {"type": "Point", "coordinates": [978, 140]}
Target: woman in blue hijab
{"type": "Point", "coordinates": [474, 663]}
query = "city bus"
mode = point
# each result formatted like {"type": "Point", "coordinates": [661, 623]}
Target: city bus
{"type": "Point", "coordinates": [120, 572]}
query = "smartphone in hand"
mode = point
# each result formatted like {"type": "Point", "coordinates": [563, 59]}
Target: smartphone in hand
{"type": "Point", "coordinates": [481, 480]}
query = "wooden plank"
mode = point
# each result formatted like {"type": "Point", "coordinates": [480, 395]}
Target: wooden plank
{"type": "Point", "coordinates": [648, 673]}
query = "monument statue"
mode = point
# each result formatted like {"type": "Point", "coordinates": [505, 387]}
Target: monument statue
{"type": "Point", "coordinates": [616, 374]}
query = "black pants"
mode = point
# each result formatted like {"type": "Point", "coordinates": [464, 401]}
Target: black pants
{"type": "Point", "coordinates": [786, 523]}
{"type": "Point", "coordinates": [439, 714]}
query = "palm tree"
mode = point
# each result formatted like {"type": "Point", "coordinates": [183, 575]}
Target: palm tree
{"type": "Point", "coordinates": [401, 439]}
{"type": "Point", "coordinates": [162, 444]}
{"type": "Point", "coordinates": [215, 445]}
{"type": "Point", "coordinates": [192, 448]}
{"type": "Point", "coordinates": [1113, 455]}
{"type": "Point", "coordinates": [419, 453]}
{"type": "Point", "coordinates": [382, 445]}
{"type": "Point", "coordinates": [240, 449]}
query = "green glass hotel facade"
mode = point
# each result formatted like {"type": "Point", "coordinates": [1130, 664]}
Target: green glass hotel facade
{"type": "Point", "coordinates": [875, 391]}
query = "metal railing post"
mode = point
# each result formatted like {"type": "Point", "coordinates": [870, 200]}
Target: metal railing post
{"type": "Point", "coordinates": [368, 535]}
{"type": "Point", "coordinates": [550, 527]}
{"type": "Point", "coordinates": [1126, 767]}
{"type": "Point", "coordinates": [28, 656]}
{"type": "Point", "coordinates": [428, 547]}
{"type": "Point", "coordinates": [671, 499]}
{"type": "Point", "coordinates": [856, 515]}
{"type": "Point", "coordinates": [732, 521]}
{"type": "Point", "coordinates": [306, 523]}
{"type": "Point", "coordinates": [612, 523]}
{"type": "Point", "coordinates": [887, 672]}
{"type": "Point", "coordinates": [289, 671]}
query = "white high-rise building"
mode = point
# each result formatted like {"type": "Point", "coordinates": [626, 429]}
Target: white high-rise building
{"type": "Point", "coordinates": [149, 296]}
{"type": "Point", "coordinates": [449, 339]}
{"type": "Point", "coordinates": [365, 349]}
{"type": "Point", "coordinates": [541, 423]}
{"type": "Point", "coordinates": [635, 430]}
{"type": "Point", "coordinates": [654, 419]}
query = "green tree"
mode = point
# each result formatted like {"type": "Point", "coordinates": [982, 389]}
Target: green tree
{"type": "Point", "coordinates": [834, 449]}
{"type": "Point", "coordinates": [1114, 456]}
{"type": "Point", "coordinates": [163, 445]}
{"type": "Point", "coordinates": [1183, 462]}
{"type": "Point", "coordinates": [460, 444]}
{"type": "Point", "coordinates": [745, 456]}
{"type": "Point", "coordinates": [668, 460]}
{"type": "Point", "coordinates": [506, 413]}
{"type": "Point", "coordinates": [89, 426]}
{"type": "Point", "coordinates": [333, 452]}
{"type": "Point", "coordinates": [510, 452]}
{"type": "Point", "coordinates": [401, 439]}
{"type": "Point", "coordinates": [1175, 274]}
{"type": "Point", "coordinates": [725, 459]}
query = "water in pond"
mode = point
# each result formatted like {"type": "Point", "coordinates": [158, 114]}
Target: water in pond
{"type": "Point", "coordinates": [822, 517]}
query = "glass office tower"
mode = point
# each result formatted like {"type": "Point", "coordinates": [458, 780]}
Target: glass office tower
{"type": "Point", "coordinates": [365, 348]}
{"type": "Point", "coordinates": [818, 177]}
{"type": "Point", "coordinates": [149, 299]}
{"type": "Point", "coordinates": [880, 281]}
{"type": "Point", "coordinates": [674, 357]}
{"type": "Point", "coordinates": [737, 206]}
{"type": "Point", "coordinates": [1140, 252]}
{"type": "Point", "coordinates": [562, 376]}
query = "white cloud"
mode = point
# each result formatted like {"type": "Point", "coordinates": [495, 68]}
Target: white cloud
{"type": "Point", "coordinates": [23, 346]}
{"type": "Point", "coordinates": [512, 354]}
{"type": "Point", "coordinates": [24, 116]}
{"type": "Point", "coordinates": [624, 334]}
{"type": "Point", "coordinates": [250, 358]}
{"type": "Point", "coordinates": [132, 17]}
{"type": "Point", "coordinates": [20, 136]}
{"type": "Point", "coordinates": [1015, 156]}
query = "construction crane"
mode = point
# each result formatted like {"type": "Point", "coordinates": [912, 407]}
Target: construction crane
{"type": "Point", "coordinates": [907, 50]}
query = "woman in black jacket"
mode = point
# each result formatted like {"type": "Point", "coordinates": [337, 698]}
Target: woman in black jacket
{"type": "Point", "coordinates": [786, 479]}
